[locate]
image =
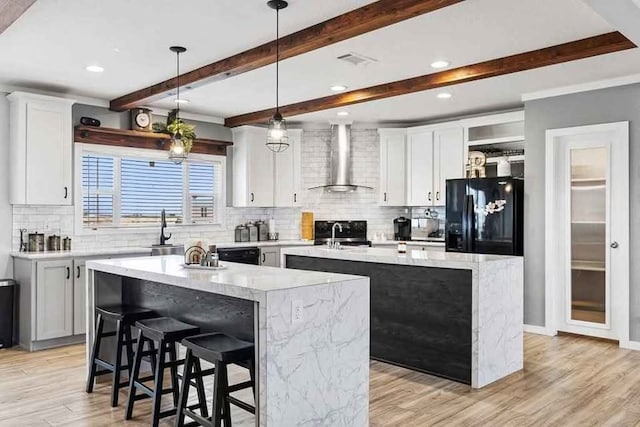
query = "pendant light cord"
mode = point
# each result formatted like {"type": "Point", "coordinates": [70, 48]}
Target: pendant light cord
{"type": "Point", "coordinates": [277, 59]}
{"type": "Point", "coordinates": [178, 84]}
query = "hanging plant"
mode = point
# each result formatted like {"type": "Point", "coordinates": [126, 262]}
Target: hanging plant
{"type": "Point", "coordinates": [179, 128]}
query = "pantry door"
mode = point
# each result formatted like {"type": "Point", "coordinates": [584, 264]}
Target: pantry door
{"type": "Point", "coordinates": [587, 230]}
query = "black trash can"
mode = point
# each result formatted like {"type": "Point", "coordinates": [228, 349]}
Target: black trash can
{"type": "Point", "coordinates": [7, 303]}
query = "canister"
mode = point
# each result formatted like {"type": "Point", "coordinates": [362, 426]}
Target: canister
{"type": "Point", "coordinates": [36, 242]}
{"type": "Point", "coordinates": [253, 231]}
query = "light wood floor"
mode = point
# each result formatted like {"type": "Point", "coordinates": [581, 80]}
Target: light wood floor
{"type": "Point", "coordinates": [567, 381]}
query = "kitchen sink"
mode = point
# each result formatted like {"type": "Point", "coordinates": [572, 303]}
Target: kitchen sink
{"type": "Point", "coordinates": [157, 250]}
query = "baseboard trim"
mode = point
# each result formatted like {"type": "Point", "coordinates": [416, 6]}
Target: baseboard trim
{"type": "Point", "coordinates": [630, 345]}
{"type": "Point", "coordinates": [540, 330]}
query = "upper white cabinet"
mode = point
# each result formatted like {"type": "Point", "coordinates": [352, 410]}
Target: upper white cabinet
{"type": "Point", "coordinates": [434, 155]}
{"type": "Point", "coordinates": [288, 172]}
{"type": "Point", "coordinates": [41, 143]}
{"type": "Point", "coordinates": [253, 168]}
{"type": "Point", "coordinates": [393, 167]}
{"type": "Point", "coordinates": [262, 178]}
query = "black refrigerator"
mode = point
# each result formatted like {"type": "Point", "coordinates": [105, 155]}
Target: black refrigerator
{"type": "Point", "coordinates": [485, 215]}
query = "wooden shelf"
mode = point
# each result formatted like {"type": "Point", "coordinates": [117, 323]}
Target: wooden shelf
{"type": "Point", "coordinates": [511, 159]}
{"type": "Point", "coordinates": [146, 140]}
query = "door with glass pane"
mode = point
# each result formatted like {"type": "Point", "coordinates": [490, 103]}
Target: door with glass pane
{"type": "Point", "coordinates": [588, 231]}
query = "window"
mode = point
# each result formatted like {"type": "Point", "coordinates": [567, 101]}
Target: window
{"type": "Point", "coordinates": [126, 188]}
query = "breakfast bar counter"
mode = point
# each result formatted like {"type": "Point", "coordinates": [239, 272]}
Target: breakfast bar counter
{"type": "Point", "coordinates": [310, 329]}
{"type": "Point", "coordinates": [455, 315]}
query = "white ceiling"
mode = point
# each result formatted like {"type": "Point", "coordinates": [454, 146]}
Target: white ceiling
{"type": "Point", "coordinates": [53, 42]}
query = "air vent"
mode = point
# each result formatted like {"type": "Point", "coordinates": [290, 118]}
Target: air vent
{"type": "Point", "coordinates": [357, 59]}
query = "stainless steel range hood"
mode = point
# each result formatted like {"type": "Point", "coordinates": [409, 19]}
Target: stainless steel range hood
{"type": "Point", "coordinates": [340, 173]}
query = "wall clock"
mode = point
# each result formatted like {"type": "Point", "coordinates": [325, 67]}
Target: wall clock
{"type": "Point", "coordinates": [141, 119]}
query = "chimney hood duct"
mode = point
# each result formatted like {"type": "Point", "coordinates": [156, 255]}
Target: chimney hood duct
{"type": "Point", "coordinates": [340, 161]}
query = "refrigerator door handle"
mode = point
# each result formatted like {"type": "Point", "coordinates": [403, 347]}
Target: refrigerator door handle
{"type": "Point", "coordinates": [470, 220]}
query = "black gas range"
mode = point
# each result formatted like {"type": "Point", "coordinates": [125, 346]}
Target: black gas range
{"type": "Point", "coordinates": [353, 233]}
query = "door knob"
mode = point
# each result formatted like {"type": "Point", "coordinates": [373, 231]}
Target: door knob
{"type": "Point", "coordinates": [614, 245]}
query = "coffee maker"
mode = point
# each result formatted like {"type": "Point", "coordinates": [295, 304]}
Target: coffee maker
{"type": "Point", "coordinates": [402, 228]}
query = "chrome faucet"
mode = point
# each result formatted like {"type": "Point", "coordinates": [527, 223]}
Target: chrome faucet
{"type": "Point", "coordinates": [333, 244]}
{"type": "Point", "coordinates": [163, 225]}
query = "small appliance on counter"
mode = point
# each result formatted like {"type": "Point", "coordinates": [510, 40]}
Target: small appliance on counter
{"type": "Point", "coordinates": [351, 233]}
{"type": "Point", "coordinates": [402, 229]}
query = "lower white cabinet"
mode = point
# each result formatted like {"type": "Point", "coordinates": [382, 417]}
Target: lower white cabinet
{"type": "Point", "coordinates": [270, 256]}
{"type": "Point", "coordinates": [54, 299]}
{"type": "Point", "coordinates": [79, 297]}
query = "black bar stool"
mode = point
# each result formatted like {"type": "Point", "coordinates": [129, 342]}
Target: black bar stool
{"type": "Point", "coordinates": [221, 350]}
{"type": "Point", "coordinates": [124, 316]}
{"type": "Point", "coordinates": [165, 332]}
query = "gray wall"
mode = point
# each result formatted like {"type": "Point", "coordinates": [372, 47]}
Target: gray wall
{"type": "Point", "coordinates": [601, 106]}
{"type": "Point", "coordinates": [6, 216]}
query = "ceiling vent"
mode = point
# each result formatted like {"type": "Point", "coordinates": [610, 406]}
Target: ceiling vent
{"type": "Point", "coordinates": [357, 59]}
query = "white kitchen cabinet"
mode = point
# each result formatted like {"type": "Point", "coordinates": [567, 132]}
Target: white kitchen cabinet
{"type": "Point", "coordinates": [262, 178]}
{"type": "Point", "coordinates": [288, 172]}
{"type": "Point", "coordinates": [393, 173]}
{"type": "Point", "coordinates": [40, 149]}
{"type": "Point", "coordinates": [253, 168]}
{"type": "Point", "coordinates": [434, 155]}
{"type": "Point", "coordinates": [270, 256]}
{"type": "Point", "coordinates": [79, 297]}
{"type": "Point", "coordinates": [420, 168]}
{"type": "Point", "coordinates": [54, 299]}
{"type": "Point", "coordinates": [449, 163]}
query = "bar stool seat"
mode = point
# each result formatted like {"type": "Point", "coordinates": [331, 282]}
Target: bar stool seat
{"type": "Point", "coordinates": [221, 350]}
{"type": "Point", "coordinates": [165, 332]}
{"type": "Point", "coordinates": [124, 317]}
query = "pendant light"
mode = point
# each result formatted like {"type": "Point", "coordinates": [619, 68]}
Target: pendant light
{"type": "Point", "coordinates": [277, 137]}
{"type": "Point", "coordinates": [177, 151]}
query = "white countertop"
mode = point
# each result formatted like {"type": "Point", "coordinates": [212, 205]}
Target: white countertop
{"type": "Point", "coordinates": [80, 253]}
{"type": "Point", "coordinates": [239, 280]}
{"type": "Point", "coordinates": [263, 243]}
{"type": "Point", "coordinates": [434, 243]}
{"type": "Point", "coordinates": [424, 258]}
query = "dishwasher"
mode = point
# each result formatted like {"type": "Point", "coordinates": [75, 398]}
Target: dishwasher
{"type": "Point", "coordinates": [247, 255]}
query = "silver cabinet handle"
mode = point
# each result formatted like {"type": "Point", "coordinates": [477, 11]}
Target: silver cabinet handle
{"type": "Point", "coordinates": [614, 245]}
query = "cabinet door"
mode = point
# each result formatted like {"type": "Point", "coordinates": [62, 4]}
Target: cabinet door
{"type": "Point", "coordinates": [420, 169]}
{"type": "Point", "coordinates": [449, 160]}
{"type": "Point", "coordinates": [393, 171]}
{"type": "Point", "coordinates": [270, 257]}
{"type": "Point", "coordinates": [79, 298]}
{"type": "Point", "coordinates": [260, 172]}
{"type": "Point", "coordinates": [54, 299]}
{"type": "Point", "coordinates": [288, 173]}
{"type": "Point", "coordinates": [48, 154]}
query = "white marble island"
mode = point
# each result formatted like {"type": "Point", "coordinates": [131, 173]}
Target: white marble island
{"type": "Point", "coordinates": [311, 371]}
{"type": "Point", "coordinates": [459, 316]}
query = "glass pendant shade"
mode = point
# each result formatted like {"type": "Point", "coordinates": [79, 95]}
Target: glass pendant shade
{"type": "Point", "coordinates": [277, 137]}
{"type": "Point", "coordinates": [177, 151]}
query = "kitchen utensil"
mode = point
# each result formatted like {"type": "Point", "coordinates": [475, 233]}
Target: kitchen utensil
{"type": "Point", "coordinates": [53, 243]}
{"type": "Point", "coordinates": [66, 243]}
{"type": "Point", "coordinates": [23, 241]}
{"type": "Point", "coordinates": [36, 242]}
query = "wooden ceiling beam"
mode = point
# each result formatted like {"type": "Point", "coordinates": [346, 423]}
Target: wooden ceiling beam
{"type": "Point", "coordinates": [351, 24]}
{"type": "Point", "coordinates": [11, 10]}
{"type": "Point", "coordinates": [580, 49]}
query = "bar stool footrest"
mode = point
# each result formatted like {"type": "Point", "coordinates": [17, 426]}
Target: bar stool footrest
{"type": "Point", "coordinates": [241, 404]}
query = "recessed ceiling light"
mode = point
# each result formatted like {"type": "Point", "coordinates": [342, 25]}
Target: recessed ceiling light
{"type": "Point", "coordinates": [343, 113]}
{"type": "Point", "coordinates": [95, 68]}
{"type": "Point", "coordinates": [444, 95]}
{"type": "Point", "coordinates": [338, 88]}
{"type": "Point", "coordinates": [440, 64]}
{"type": "Point", "coordinates": [181, 101]}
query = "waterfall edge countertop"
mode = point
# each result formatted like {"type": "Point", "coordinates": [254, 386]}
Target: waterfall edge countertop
{"type": "Point", "coordinates": [237, 280]}
{"type": "Point", "coordinates": [311, 329]}
{"type": "Point", "coordinates": [424, 258]}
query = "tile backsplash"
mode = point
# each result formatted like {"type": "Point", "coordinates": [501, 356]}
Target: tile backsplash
{"type": "Point", "coordinates": [361, 205]}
